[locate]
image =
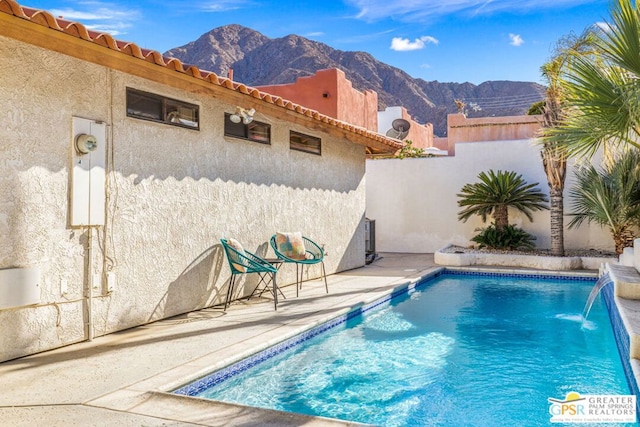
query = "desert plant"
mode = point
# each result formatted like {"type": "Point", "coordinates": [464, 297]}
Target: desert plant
{"type": "Point", "coordinates": [509, 238]}
{"type": "Point", "coordinates": [496, 193]}
{"type": "Point", "coordinates": [408, 150]}
{"type": "Point", "coordinates": [610, 197]}
{"type": "Point", "coordinates": [536, 108]}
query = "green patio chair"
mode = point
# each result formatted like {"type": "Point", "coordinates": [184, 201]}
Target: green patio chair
{"type": "Point", "coordinates": [242, 261]}
{"type": "Point", "coordinates": [301, 251]}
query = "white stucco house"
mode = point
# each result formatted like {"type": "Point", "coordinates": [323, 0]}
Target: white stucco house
{"type": "Point", "coordinates": [121, 171]}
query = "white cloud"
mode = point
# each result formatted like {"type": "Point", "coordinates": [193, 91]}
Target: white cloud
{"type": "Point", "coordinates": [115, 29]}
{"type": "Point", "coordinates": [221, 5]}
{"type": "Point", "coordinates": [102, 17]}
{"type": "Point", "coordinates": [402, 45]}
{"type": "Point", "coordinates": [419, 10]}
{"type": "Point", "coordinates": [98, 14]}
{"type": "Point", "coordinates": [516, 39]}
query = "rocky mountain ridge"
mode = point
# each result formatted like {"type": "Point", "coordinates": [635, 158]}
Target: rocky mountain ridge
{"type": "Point", "coordinates": [258, 60]}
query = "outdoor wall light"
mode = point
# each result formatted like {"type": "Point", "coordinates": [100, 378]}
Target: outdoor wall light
{"type": "Point", "coordinates": [242, 115]}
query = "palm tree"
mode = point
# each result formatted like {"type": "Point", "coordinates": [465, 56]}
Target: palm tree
{"type": "Point", "coordinates": [603, 88]}
{"type": "Point", "coordinates": [610, 197]}
{"type": "Point", "coordinates": [554, 155]}
{"type": "Point", "coordinates": [496, 193]}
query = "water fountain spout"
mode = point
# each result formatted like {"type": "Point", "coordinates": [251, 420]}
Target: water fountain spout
{"type": "Point", "coordinates": [604, 280]}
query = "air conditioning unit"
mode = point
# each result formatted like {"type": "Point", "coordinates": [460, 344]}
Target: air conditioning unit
{"type": "Point", "coordinates": [370, 240]}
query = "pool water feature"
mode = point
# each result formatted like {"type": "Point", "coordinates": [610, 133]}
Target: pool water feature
{"type": "Point", "coordinates": [603, 281]}
{"type": "Point", "coordinates": [457, 350]}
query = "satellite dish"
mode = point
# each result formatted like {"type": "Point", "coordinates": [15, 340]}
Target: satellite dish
{"type": "Point", "coordinates": [399, 129]}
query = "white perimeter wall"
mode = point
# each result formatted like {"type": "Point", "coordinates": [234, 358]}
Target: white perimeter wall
{"type": "Point", "coordinates": [414, 202]}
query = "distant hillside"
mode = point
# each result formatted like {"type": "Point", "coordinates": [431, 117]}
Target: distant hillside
{"type": "Point", "coordinates": [258, 60]}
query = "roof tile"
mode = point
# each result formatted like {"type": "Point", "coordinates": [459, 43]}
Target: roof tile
{"type": "Point", "coordinates": [213, 78]}
{"type": "Point", "coordinates": [77, 30]}
{"type": "Point", "coordinates": [13, 8]}
{"type": "Point", "coordinates": [45, 19]}
{"type": "Point", "coordinates": [106, 40]}
{"type": "Point", "coordinates": [132, 49]}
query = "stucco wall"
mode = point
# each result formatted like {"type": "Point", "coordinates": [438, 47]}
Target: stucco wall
{"type": "Point", "coordinates": [329, 92]}
{"type": "Point", "coordinates": [172, 193]}
{"type": "Point", "coordinates": [461, 129]}
{"type": "Point", "coordinates": [414, 202]}
{"type": "Point", "coordinates": [319, 92]}
{"type": "Point", "coordinates": [358, 108]}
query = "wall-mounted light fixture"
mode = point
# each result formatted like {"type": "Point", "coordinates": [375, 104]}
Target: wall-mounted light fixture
{"type": "Point", "coordinates": [242, 115]}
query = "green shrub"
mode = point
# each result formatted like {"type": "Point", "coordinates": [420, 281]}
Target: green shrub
{"type": "Point", "coordinates": [509, 238]}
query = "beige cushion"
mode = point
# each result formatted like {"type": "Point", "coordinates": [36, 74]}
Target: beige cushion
{"type": "Point", "coordinates": [291, 245]}
{"type": "Point", "coordinates": [238, 247]}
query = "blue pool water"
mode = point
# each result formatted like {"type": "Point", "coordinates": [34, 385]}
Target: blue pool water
{"type": "Point", "coordinates": [460, 350]}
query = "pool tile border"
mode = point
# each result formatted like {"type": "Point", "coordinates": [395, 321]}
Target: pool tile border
{"type": "Point", "coordinates": [623, 341]}
{"type": "Point", "coordinates": [521, 273]}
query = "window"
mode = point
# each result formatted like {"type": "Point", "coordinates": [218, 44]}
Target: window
{"type": "Point", "coordinates": [306, 143]}
{"type": "Point", "coordinates": [157, 108]}
{"type": "Point", "coordinates": [254, 131]}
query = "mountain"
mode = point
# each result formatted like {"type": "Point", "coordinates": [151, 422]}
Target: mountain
{"type": "Point", "coordinates": [258, 60]}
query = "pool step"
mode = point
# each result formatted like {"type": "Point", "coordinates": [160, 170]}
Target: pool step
{"type": "Point", "coordinates": [627, 293]}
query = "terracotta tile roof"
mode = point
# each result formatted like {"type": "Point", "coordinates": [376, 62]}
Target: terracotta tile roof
{"type": "Point", "coordinates": [377, 143]}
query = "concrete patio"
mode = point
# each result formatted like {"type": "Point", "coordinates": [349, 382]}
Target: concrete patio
{"type": "Point", "coordinates": [122, 379]}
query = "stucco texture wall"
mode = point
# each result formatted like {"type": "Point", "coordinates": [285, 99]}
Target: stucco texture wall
{"type": "Point", "coordinates": [172, 193]}
{"type": "Point", "coordinates": [414, 201]}
{"type": "Point", "coordinates": [329, 92]}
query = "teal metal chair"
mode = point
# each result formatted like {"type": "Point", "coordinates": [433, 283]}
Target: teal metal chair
{"type": "Point", "coordinates": [241, 262]}
{"type": "Point", "coordinates": [311, 254]}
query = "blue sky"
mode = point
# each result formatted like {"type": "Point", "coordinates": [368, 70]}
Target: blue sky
{"type": "Point", "coordinates": [445, 40]}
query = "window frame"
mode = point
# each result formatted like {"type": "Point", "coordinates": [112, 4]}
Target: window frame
{"type": "Point", "coordinates": [301, 146]}
{"type": "Point", "coordinates": [250, 132]}
{"type": "Point", "coordinates": [165, 107]}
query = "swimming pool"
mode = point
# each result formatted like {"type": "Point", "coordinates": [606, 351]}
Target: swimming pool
{"type": "Point", "coordinates": [457, 349]}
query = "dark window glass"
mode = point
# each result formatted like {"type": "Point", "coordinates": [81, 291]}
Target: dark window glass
{"type": "Point", "coordinates": [148, 106]}
{"type": "Point", "coordinates": [254, 131]}
{"type": "Point", "coordinates": [301, 142]}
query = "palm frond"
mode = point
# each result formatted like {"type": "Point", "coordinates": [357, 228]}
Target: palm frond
{"type": "Point", "coordinates": [500, 189]}
{"type": "Point", "coordinates": [609, 196]}
{"type": "Point", "coordinates": [601, 88]}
